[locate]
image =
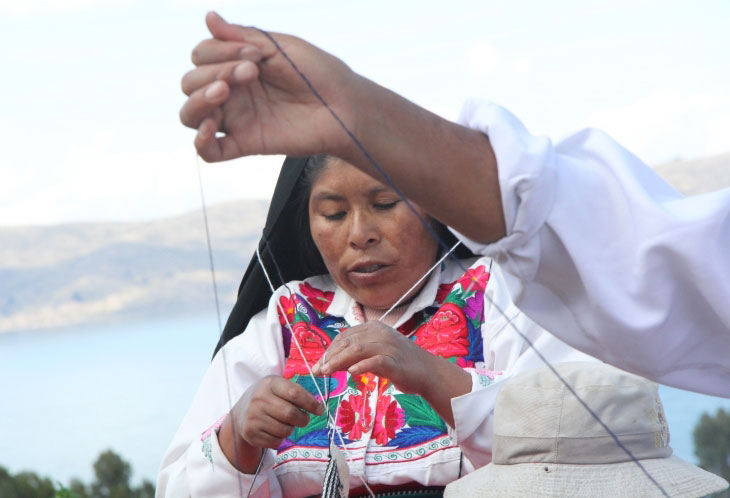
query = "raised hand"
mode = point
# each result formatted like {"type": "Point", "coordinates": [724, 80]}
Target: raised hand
{"type": "Point", "coordinates": [243, 87]}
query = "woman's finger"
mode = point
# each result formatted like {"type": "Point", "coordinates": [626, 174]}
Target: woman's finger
{"type": "Point", "coordinates": [232, 72]}
{"type": "Point", "coordinates": [203, 102]}
{"type": "Point", "coordinates": [212, 51]}
{"type": "Point", "coordinates": [273, 427]}
{"type": "Point", "coordinates": [354, 353]}
{"type": "Point", "coordinates": [262, 437]}
{"type": "Point", "coordinates": [297, 397]}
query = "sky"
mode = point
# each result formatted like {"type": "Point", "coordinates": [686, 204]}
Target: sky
{"type": "Point", "coordinates": [90, 92]}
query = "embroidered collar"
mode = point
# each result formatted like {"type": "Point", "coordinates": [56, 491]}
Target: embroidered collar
{"type": "Point", "coordinates": [344, 305]}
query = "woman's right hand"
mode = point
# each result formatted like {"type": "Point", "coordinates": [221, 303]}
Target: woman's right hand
{"type": "Point", "coordinates": [263, 417]}
{"type": "Point", "coordinates": [269, 410]}
{"type": "Point", "coordinates": [245, 88]}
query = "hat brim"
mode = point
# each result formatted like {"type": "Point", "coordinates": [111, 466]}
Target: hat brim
{"type": "Point", "coordinates": [676, 477]}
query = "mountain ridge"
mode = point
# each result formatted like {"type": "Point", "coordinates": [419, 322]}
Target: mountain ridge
{"type": "Point", "coordinates": [79, 273]}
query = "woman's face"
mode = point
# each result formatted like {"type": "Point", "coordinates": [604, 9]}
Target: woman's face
{"type": "Point", "coordinates": [372, 244]}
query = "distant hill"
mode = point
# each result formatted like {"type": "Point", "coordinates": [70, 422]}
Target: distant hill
{"type": "Point", "coordinates": [698, 176]}
{"type": "Point", "coordinates": [63, 275]}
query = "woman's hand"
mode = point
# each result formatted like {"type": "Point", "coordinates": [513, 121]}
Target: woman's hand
{"type": "Point", "coordinates": [376, 348]}
{"type": "Point", "coordinates": [263, 417]}
{"type": "Point", "coordinates": [245, 88]}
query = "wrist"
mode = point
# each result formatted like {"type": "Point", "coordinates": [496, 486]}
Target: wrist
{"type": "Point", "coordinates": [242, 455]}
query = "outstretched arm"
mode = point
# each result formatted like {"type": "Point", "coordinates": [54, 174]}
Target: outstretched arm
{"type": "Point", "coordinates": [244, 87]}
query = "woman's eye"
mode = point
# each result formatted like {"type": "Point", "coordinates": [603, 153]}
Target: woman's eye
{"type": "Point", "coordinates": [334, 216]}
{"type": "Point", "coordinates": [384, 206]}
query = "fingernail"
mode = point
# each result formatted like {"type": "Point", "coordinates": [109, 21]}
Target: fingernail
{"type": "Point", "coordinates": [243, 71]}
{"type": "Point", "coordinates": [320, 409]}
{"type": "Point", "coordinates": [215, 91]}
{"type": "Point", "coordinates": [205, 130]}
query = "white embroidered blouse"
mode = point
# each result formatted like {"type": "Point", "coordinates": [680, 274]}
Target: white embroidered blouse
{"type": "Point", "coordinates": [389, 437]}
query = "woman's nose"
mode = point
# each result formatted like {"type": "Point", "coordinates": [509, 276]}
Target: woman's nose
{"type": "Point", "coordinates": [363, 231]}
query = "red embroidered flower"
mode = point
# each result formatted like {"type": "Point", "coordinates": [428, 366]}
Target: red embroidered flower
{"type": "Point", "coordinates": [443, 291]}
{"type": "Point", "coordinates": [389, 417]}
{"type": "Point", "coordinates": [313, 342]}
{"type": "Point", "coordinates": [319, 300]}
{"type": "Point", "coordinates": [475, 278]}
{"type": "Point", "coordinates": [289, 305]}
{"type": "Point", "coordinates": [446, 333]}
{"type": "Point", "coordinates": [354, 417]}
{"type": "Point", "coordinates": [365, 382]}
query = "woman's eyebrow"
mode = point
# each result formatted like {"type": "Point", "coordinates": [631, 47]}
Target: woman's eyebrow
{"type": "Point", "coordinates": [327, 196]}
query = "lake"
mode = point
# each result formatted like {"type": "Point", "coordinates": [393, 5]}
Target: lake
{"type": "Point", "coordinates": [69, 394]}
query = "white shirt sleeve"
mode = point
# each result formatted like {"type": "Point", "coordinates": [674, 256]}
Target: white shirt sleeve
{"type": "Point", "coordinates": [507, 334]}
{"type": "Point", "coordinates": [610, 258]}
{"type": "Point", "coordinates": [194, 465]}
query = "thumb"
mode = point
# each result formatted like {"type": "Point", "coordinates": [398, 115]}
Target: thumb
{"type": "Point", "coordinates": [222, 29]}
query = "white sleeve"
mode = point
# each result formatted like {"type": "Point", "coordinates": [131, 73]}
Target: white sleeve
{"type": "Point", "coordinates": [610, 258]}
{"type": "Point", "coordinates": [194, 464]}
{"type": "Point", "coordinates": [507, 334]}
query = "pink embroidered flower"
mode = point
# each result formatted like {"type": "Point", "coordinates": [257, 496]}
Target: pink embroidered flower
{"type": "Point", "coordinates": [320, 300]}
{"type": "Point", "coordinates": [313, 341]}
{"type": "Point", "coordinates": [444, 290]}
{"type": "Point", "coordinates": [289, 305]}
{"type": "Point", "coordinates": [480, 370]}
{"type": "Point", "coordinates": [446, 333]}
{"type": "Point", "coordinates": [389, 417]}
{"type": "Point", "coordinates": [215, 427]}
{"type": "Point", "coordinates": [365, 383]}
{"type": "Point", "coordinates": [475, 278]}
{"type": "Point", "coordinates": [354, 417]}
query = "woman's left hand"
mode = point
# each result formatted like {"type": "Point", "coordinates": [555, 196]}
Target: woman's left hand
{"type": "Point", "coordinates": [376, 348]}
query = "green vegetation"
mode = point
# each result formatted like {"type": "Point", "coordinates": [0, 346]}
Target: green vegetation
{"type": "Point", "coordinates": [111, 480]}
{"type": "Point", "coordinates": [712, 445]}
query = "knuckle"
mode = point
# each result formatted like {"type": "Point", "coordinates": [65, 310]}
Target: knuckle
{"type": "Point", "coordinates": [290, 413]}
{"type": "Point", "coordinates": [292, 391]}
{"type": "Point", "coordinates": [196, 55]}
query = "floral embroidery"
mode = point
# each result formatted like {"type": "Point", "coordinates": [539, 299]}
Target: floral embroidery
{"type": "Point", "coordinates": [400, 423]}
{"type": "Point", "coordinates": [486, 377]}
{"type": "Point", "coordinates": [354, 417]}
{"type": "Point", "coordinates": [207, 446]}
{"type": "Point", "coordinates": [446, 333]}
{"type": "Point", "coordinates": [443, 291]}
{"type": "Point", "coordinates": [319, 300]}
{"type": "Point", "coordinates": [289, 306]}
{"type": "Point", "coordinates": [389, 417]}
{"type": "Point", "coordinates": [475, 278]}
{"type": "Point", "coordinates": [313, 342]}
{"type": "Point", "coordinates": [365, 383]}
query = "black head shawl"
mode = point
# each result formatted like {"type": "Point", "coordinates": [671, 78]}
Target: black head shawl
{"type": "Point", "coordinates": [285, 238]}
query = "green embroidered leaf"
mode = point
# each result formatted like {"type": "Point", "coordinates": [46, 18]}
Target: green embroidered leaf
{"type": "Point", "coordinates": [316, 422]}
{"type": "Point", "coordinates": [418, 412]}
{"type": "Point", "coordinates": [457, 300]}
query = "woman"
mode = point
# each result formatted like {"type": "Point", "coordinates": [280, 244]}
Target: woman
{"type": "Point", "coordinates": [597, 248]}
{"type": "Point", "coordinates": [409, 393]}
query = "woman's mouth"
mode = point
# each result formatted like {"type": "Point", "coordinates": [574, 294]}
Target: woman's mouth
{"type": "Point", "coordinates": [368, 268]}
{"type": "Point", "coordinates": [367, 273]}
